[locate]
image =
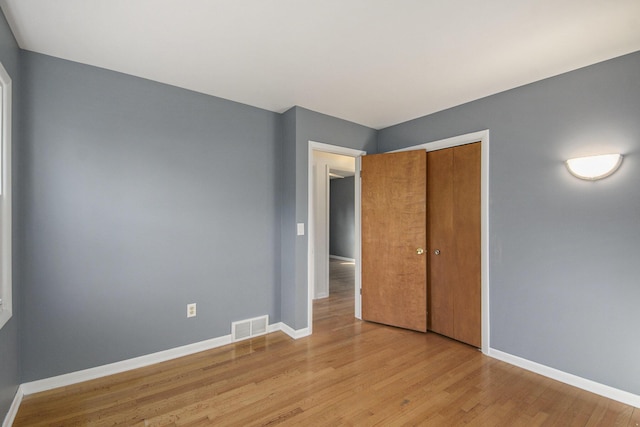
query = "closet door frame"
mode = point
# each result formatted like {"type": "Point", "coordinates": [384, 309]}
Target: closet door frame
{"type": "Point", "coordinates": [483, 138]}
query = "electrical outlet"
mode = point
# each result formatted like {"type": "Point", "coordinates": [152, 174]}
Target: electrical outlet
{"type": "Point", "coordinates": [191, 310]}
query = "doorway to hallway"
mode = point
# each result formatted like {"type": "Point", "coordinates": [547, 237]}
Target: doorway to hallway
{"type": "Point", "coordinates": [319, 170]}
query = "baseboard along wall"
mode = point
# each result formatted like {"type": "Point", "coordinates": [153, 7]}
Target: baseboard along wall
{"type": "Point", "coordinates": [146, 360]}
{"type": "Point", "coordinates": [564, 377]}
{"type": "Point", "coordinates": [130, 364]}
{"type": "Point", "coordinates": [13, 409]}
{"type": "Point", "coordinates": [163, 356]}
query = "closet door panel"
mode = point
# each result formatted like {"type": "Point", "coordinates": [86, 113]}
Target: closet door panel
{"type": "Point", "coordinates": [394, 273]}
{"type": "Point", "coordinates": [466, 223]}
{"type": "Point", "coordinates": [453, 200]}
{"type": "Point", "coordinates": [442, 273]}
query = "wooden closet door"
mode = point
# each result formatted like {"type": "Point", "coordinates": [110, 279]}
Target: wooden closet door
{"type": "Point", "coordinates": [441, 271]}
{"type": "Point", "coordinates": [394, 274]}
{"type": "Point", "coordinates": [466, 201]}
{"type": "Point", "coordinates": [453, 177]}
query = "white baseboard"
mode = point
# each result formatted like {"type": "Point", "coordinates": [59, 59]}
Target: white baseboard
{"type": "Point", "coordinates": [295, 334]}
{"type": "Point", "coordinates": [162, 356]}
{"type": "Point", "coordinates": [13, 409]}
{"type": "Point", "coordinates": [122, 366]}
{"type": "Point", "coordinates": [142, 361]}
{"type": "Point", "coordinates": [341, 258]}
{"type": "Point", "coordinates": [564, 377]}
{"type": "Point", "coordinates": [275, 327]}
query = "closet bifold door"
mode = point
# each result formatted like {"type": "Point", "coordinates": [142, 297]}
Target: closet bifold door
{"type": "Point", "coordinates": [453, 224]}
{"type": "Point", "coordinates": [394, 272]}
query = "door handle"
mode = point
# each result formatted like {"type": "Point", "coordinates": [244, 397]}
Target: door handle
{"type": "Point", "coordinates": [437, 252]}
{"type": "Point", "coordinates": [419, 251]}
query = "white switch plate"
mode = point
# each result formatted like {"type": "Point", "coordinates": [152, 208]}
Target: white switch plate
{"type": "Point", "coordinates": [191, 310]}
{"type": "Point", "coordinates": [301, 229]}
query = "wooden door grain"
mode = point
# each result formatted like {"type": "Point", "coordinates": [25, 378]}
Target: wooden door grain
{"type": "Point", "coordinates": [441, 244]}
{"type": "Point", "coordinates": [466, 202]}
{"type": "Point", "coordinates": [454, 287]}
{"type": "Point", "coordinates": [393, 229]}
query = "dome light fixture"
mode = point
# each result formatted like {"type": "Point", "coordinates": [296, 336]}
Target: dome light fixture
{"type": "Point", "coordinates": [593, 168]}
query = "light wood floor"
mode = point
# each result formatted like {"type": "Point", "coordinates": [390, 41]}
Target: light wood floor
{"type": "Point", "coordinates": [347, 373]}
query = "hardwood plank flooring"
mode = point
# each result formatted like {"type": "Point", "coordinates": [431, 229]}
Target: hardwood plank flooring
{"type": "Point", "coordinates": [347, 373]}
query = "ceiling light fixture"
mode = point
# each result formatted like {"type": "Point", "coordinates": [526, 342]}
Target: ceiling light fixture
{"type": "Point", "coordinates": [593, 168]}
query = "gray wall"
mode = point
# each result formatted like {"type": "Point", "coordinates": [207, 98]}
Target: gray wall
{"type": "Point", "coordinates": [288, 240]}
{"type": "Point", "coordinates": [9, 348]}
{"type": "Point", "coordinates": [139, 198]}
{"type": "Point", "coordinates": [300, 127]}
{"type": "Point", "coordinates": [564, 270]}
{"type": "Point", "coordinates": [342, 217]}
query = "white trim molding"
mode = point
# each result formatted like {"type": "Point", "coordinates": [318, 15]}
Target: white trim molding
{"type": "Point", "coordinates": [130, 364]}
{"type": "Point", "coordinates": [454, 141]}
{"type": "Point", "coordinates": [295, 333]}
{"type": "Point", "coordinates": [570, 379]}
{"type": "Point", "coordinates": [142, 361]}
{"type": "Point", "coordinates": [123, 366]}
{"type": "Point", "coordinates": [6, 251]}
{"type": "Point", "coordinates": [13, 409]}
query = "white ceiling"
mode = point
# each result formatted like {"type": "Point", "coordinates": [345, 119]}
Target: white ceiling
{"type": "Point", "coordinates": [374, 62]}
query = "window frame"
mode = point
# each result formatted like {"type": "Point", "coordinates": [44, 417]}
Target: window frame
{"type": "Point", "coordinates": [6, 285]}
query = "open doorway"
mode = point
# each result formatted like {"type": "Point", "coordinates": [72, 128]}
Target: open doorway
{"type": "Point", "coordinates": [327, 162]}
{"type": "Point", "coordinates": [342, 218]}
{"type": "Point", "coordinates": [333, 192]}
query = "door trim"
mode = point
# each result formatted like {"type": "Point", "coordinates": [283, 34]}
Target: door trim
{"type": "Point", "coordinates": [483, 137]}
{"type": "Point", "coordinates": [344, 151]}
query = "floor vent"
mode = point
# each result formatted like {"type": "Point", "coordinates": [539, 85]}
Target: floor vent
{"type": "Point", "coordinates": [243, 329]}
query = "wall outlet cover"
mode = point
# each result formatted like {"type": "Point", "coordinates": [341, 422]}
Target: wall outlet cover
{"type": "Point", "coordinates": [191, 310]}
